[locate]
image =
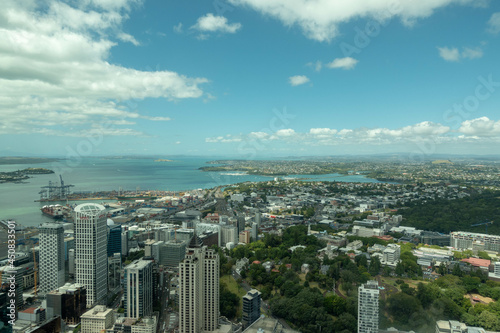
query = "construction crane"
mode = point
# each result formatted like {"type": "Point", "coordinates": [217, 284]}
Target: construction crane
{"type": "Point", "coordinates": [485, 223]}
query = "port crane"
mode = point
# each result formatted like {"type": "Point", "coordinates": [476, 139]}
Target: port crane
{"type": "Point", "coordinates": [55, 191]}
{"type": "Point", "coordinates": [485, 223]}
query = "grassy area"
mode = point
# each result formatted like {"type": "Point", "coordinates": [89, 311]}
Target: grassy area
{"type": "Point", "coordinates": [234, 287]}
{"type": "Point", "coordinates": [412, 283]}
{"type": "Point", "coordinates": [312, 284]}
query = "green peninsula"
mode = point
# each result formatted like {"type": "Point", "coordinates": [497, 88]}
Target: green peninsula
{"type": "Point", "coordinates": [20, 175]}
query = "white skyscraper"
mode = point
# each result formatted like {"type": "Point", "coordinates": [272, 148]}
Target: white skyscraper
{"type": "Point", "coordinates": [52, 273]}
{"type": "Point", "coordinates": [368, 307]}
{"type": "Point", "coordinates": [91, 258]}
{"type": "Point", "coordinates": [139, 289]}
{"type": "Point", "coordinates": [198, 289]}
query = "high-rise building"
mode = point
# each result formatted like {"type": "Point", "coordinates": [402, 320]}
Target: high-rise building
{"type": "Point", "coordinates": [368, 307]}
{"type": "Point", "coordinates": [124, 250]}
{"type": "Point", "coordinates": [257, 218]}
{"type": "Point", "coordinates": [229, 234]}
{"type": "Point", "coordinates": [114, 238]}
{"type": "Point", "coordinates": [198, 289]}
{"type": "Point", "coordinates": [91, 251]}
{"type": "Point", "coordinates": [251, 307]}
{"type": "Point", "coordinates": [139, 289]}
{"type": "Point", "coordinates": [52, 263]}
{"type": "Point", "coordinates": [240, 223]}
{"type": "Point", "coordinates": [255, 232]}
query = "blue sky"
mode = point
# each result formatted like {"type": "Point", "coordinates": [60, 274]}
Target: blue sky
{"type": "Point", "coordinates": [249, 78]}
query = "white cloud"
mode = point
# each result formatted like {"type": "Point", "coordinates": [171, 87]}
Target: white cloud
{"type": "Point", "coordinates": [453, 54]}
{"type": "Point", "coordinates": [258, 135]}
{"type": "Point", "coordinates": [480, 127]}
{"type": "Point", "coordinates": [178, 28]}
{"type": "Point", "coordinates": [494, 23]}
{"type": "Point", "coordinates": [285, 132]}
{"type": "Point", "coordinates": [472, 53]}
{"type": "Point", "coordinates": [322, 132]}
{"type": "Point", "coordinates": [316, 65]}
{"type": "Point", "coordinates": [327, 136]}
{"type": "Point", "coordinates": [449, 54]}
{"type": "Point", "coordinates": [54, 72]}
{"type": "Point", "coordinates": [297, 80]}
{"type": "Point", "coordinates": [212, 23]}
{"type": "Point", "coordinates": [344, 63]}
{"type": "Point", "coordinates": [320, 19]}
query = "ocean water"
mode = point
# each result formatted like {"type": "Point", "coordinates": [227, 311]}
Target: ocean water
{"type": "Point", "coordinates": [17, 201]}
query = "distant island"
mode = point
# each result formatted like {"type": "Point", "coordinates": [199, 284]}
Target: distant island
{"type": "Point", "coordinates": [163, 160]}
{"type": "Point", "coordinates": [20, 175]}
{"type": "Point", "coordinates": [26, 160]}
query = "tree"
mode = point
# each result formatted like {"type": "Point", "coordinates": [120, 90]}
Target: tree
{"type": "Point", "coordinates": [401, 306]}
{"type": "Point", "coordinates": [335, 305]}
{"type": "Point", "coordinates": [228, 302]}
{"type": "Point", "coordinates": [456, 270]}
{"type": "Point", "coordinates": [375, 266]}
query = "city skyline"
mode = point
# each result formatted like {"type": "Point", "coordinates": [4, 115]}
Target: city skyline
{"type": "Point", "coordinates": [229, 77]}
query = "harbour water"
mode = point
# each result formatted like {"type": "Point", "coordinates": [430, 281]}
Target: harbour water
{"type": "Point", "coordinates": [17, 201]}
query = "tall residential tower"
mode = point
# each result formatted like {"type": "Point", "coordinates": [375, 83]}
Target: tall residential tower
{"type": "Point", "coordinates": [198, 289]}
{"type": "Point", "coordinates": [368, 307]}
{"type": "Point", "coordinates": [52, 264]}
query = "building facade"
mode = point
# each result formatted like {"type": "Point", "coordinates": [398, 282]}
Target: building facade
{"type": "Point", "coordinates": [368, 295]}
{"type": "Point", "coordinates": [251, 307]}
{"type": "Point", "coordinates": [198, 289]}
{"type": "Point", "coordinates": [114, 239]}
{"type": "Point", "coordinates": [69, 302]}
{"type": "Point", "coordinates": [91, 260]}
{"type": "Point", "coordinates": [139, 289]}
{"type": "Point", "coordinates": [467, 240]}
{"type": "Point", "coordinates": [52, 255]}
{"type": "Point", "coordinates": [97, 319]}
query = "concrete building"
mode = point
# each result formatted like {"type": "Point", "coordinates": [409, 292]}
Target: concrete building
{"type": "Point", "coordinates": [91, 251]}
{"type": "Point", "coordinates": [124, 241]}
{"type": "Point", "coordinates": [257, 218]}
{"type": "Point", "coordinates": [139, 289]}
{"type": "Point", "coordinates": [172, 252]}
{"type": "Point", "coordinates": [391, 253]}
{"type": "Point", "coordinates": [240, 224]}
{"type": "Point", "coordinates": [114, 271]}
{"type": "Point", "coordinates": [368, 295]}
{"type": "Point", "coordinates": [255, 232]}
{"type": "Point", "coordinates": [450, 326]}
{"type": "Point", "coordinates": [245, 237]}
{"type": "Point", "coordinates": [52, 265]}
{"type": "Point", "coordinates": [198, 289]}
{"type": "Point", "coordinates": [229, 234]}
{"type": "Point", "coordinates": [251, 307]}
{"type": "Point", "coordinates": [71, 263]}
{"type": "Point", "coordinates": [133, 325]}
{"type": "Point", "coordinates": [97, 319]}
{"type": "Point", "coordinates": [467, 240]}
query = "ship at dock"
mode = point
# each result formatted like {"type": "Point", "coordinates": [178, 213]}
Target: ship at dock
{"type": "Point", "coordinates": [53, 211]}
